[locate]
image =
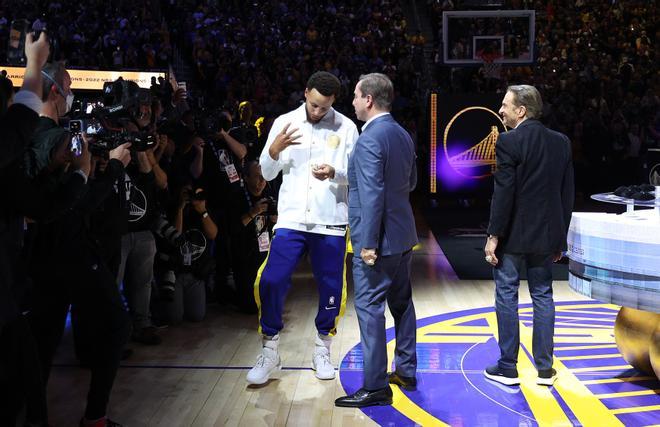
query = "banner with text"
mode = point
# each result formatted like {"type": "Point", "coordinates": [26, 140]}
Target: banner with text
{"type": "Point", "coordinates": [91, 79]}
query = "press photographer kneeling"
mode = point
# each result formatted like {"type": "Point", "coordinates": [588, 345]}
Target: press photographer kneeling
{"type": "Point", "coordinates": [191, 262]}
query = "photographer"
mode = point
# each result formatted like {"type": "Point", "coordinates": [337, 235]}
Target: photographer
{"type": "Point", "coordinates": [193, 262]}
{"type": "Point", "coordinates": [67, 268]}
{"type": "Point", "coordinates": [19, 371]}
{"type": "Point", "coordinates": [221, 178]}
{"type": "Point", "coordinates": [246, 132]}
{"type": "Point", "coordinates": [138, 247]}
{"type": "Point", "coordinates": [145, 123]}
{"type": "Point", "coordinates": [254, 213]}
{"type": "Point", "coordinates": [138, 201]}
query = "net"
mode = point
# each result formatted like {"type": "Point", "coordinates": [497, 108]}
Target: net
{"type": "Point", "coordinates": [492, 67]}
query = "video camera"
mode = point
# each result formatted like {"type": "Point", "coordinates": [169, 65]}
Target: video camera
{"type": "Point", "coordinates": [18, 30]}
{"type": "Point", "coordinates": [105, 141]}
{"type": "Point", "coordinates": [105, 122]}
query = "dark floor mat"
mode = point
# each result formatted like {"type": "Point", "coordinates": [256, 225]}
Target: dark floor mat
{"type": "Point", "coordinates": [461, 233]}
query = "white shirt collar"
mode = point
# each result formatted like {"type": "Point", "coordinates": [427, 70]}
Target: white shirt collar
{"type": "Point", "coordinates": [372, 119]}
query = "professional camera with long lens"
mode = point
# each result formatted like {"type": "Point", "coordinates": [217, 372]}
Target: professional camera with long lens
{"type": "Point", "coordinates": [162, 228]}
{"type": "Point", "coordinates": [164, 262]}
{"type": "Point", "coordinates": [165, 276]}
{"type": "Point", "coordinates": [209, 122]}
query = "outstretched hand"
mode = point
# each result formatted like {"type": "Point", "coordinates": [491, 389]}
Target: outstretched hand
{"type": "Point", "coordinates": [284, 139]}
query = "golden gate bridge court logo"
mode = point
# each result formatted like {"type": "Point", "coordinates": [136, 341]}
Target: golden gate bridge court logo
{"type": "Point", "coordinates": [477, 161]}
{"type": "Point", "coordinates": [596, 387]}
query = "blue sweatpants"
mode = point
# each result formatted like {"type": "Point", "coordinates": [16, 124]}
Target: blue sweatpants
{"type": "Point", "coordinates": [327, 254]}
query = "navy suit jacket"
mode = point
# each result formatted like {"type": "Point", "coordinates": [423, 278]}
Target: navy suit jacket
{"type": "Point", "coordinates": [381, 175]}
{"type": "Point", "coordinates": [534, 190]}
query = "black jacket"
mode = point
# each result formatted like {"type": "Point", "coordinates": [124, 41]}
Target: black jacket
{"type": "Point", "coordinates": [17, 127]}
{"type": "Point", "coordinates": [534, 190]}
{"type": "Point", "coordinates": [22, 196]}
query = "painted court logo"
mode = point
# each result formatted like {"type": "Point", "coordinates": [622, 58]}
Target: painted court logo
{"type": "Point", "coordinates": [596, 387]}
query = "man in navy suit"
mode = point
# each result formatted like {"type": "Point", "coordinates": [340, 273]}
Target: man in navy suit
{"type": "Point", "coordinates": [381, 174]}
{"type": "Point", "coordinates": [529, 217]}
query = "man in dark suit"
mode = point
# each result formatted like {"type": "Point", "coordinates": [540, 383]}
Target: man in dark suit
{"type": "Point", "coordinates": [529, 218]}
{"type": "Point", "coordinates": [381, 174]}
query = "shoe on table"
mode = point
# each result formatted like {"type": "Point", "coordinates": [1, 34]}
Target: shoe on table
{"type": "Point", "coordinates": [546, 377]}
{"type": "Point", "coordinates": [268, 362]}
{"type": "Point", "coordinates": [502, 376]}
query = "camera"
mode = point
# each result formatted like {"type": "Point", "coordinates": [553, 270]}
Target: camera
{"type": "Point", "coordinates": [104, 121]}
{"type": "Point", "coordinates": [200, 195]}
{"type": "Point", "coordinates": [162, 228]}
{"type": "Point", "coordinates": [16, 46]}
{"type": "Point", "coordinates": [107, 140]}
{"type": "Point", "coordinates": [18, 31]}
{"type": "Point", "coordinates": [272, 205]}
{"type": "Point", "coordinates": [209, 123]}
{"type": "Point", "coordinates": [164, 262]}
{"type": "Point", "coordinates": [246, 134]}
{"type": "Point", "coordinates": [165, 276]}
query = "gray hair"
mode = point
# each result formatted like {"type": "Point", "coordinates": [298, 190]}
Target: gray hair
{"type": "Point", "coordinates": [529, 97]}
{"type": "Point", "coordinates": [380, 87]}
{"type": "Point", "coordinates": [52, 73]}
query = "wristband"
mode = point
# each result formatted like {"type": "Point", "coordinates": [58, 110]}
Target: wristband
{"type": "Point", "coordinates": [205, 214]}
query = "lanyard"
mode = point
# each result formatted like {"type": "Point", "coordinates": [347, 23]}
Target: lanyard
{"type": "Point", "coordinates": [218, 155]}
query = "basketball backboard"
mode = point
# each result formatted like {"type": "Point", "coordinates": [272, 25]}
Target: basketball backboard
{"type": "Point", "coordinates": [468, 35]}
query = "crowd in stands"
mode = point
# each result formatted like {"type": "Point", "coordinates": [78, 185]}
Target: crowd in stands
{"type": "Point", "coordinates": [597, 69]}
{"type": "Point", "coordinates": [96, 34]}
{"type": "Point", "coordinates": [264, 52]}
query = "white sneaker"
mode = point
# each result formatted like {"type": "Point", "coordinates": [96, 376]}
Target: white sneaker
{"type": "Point", "coordinates": [268, 362]}
{"type": "Point", "coordinates": [321, 361]}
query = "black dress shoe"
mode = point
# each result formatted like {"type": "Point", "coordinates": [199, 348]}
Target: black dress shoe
{"type": "Point", "coordinates": [362, 398]}
{"type": "Point", "coordinates": [406, 383]}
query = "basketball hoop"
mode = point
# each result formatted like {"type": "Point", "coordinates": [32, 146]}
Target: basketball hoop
{"type": "Point", "coordinates": [492, 66]}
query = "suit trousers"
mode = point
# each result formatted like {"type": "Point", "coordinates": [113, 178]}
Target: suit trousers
{"type": "Point", "coordinates": [387, 280]}
{"type": "Point", "coordinates": [85, 284]}
{"type": "Point", "coordinates": [507, 281]}
{"type": "Point", "coordinates": [21, 384]}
